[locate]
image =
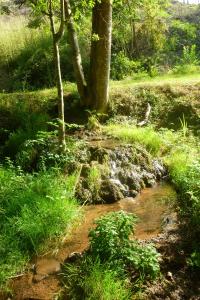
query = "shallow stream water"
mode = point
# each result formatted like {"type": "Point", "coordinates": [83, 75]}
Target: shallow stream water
{"type": "Point", "coordinates": [153, 206]}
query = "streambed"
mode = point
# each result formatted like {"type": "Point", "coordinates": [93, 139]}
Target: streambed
{"type": "Point", "coordinates": [153, 206]}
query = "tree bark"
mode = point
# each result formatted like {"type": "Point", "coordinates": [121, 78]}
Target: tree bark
{"type": "Point", "coordinates": [61, 111]}
{"type": "Point", "coordinates": [76, 55]}
{"type": "Point", "coordinates": [100, 54]}
{"type": "Point", "coordinates": [56, 38]}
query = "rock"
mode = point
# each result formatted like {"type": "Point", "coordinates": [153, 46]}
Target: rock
{"type": "Point", "coordinates": [148, 178]}
{"type": "Point", "coordinates": [85, 170]}
{"type": "Point", "coordinates": [84, 195]}
{"type": "Point", "coordinates": [110, 192]}
{"type": "Point", "coordinates": [45, 267]}
{"type": "Point", "coordinates": [159, 169]}
{"type": "Point", "coordinates": [133, 193]}
{"type": "Point", "coordinates": [73, 257]}
{"type": "Point", "coordinates": [170, 276]}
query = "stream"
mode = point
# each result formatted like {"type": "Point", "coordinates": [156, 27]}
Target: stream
{"type": "Point", "coordinates": [153, 206]}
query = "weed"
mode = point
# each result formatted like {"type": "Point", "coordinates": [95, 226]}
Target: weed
{"type": "Point", "coordinates": [184, 126]}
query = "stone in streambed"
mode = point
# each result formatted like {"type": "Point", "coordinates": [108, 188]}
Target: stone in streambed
{"type": "Point", "coordinates": [110, 192]}
{"type": "Point", "coordinates": [45, 267]}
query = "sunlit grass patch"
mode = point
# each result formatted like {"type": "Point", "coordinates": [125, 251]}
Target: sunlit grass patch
{"type": "Point", "coordinates": [145, 136]}
{"type": "Point", "coordinates": [92, 280]}
{"type": "Point", "coordinates": [15, 36]}
{"type": "Point", "coordinates": [34, 209]}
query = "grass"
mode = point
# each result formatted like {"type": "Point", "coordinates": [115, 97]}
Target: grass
{"type": "Point", "coordinates": [172, 79]}
{"type": "Point", "coordinates": [34, 210]}
{"type": "Point", "coordinates": [15, 36]}
{"type": "Point", "coordinates": [92, 280]}
{"type": "Point", "coordinates": [145, 136]}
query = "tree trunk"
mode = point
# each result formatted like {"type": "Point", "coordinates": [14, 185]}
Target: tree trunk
{"type": "Point", "coordinates": [76, 55]}
{"type": "Point", "coordinates": [61, 112]}
{"type": "Point", "coordinates": [100, 54]}
{"type": "Point", "coordinates": [134, 39]}
{"type": "Point", "coordinates": [56, 38]}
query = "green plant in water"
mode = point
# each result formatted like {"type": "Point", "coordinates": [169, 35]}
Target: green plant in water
{"type": "Point", "coordinates": [110, 242]}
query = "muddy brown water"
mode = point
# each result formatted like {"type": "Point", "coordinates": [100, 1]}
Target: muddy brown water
{"type": "Point", "coordinates": [154, 209]}
{"type": "Point", "coordinates": [153, 206]}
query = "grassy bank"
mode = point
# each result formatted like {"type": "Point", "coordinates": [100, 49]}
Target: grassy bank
{"type": "Point", "coordinates": [180, 151]}
{"type": "Point", "coordinates": [35, 210]}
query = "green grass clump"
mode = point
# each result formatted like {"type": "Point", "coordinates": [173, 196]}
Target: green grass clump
{"type": "Point", "coordinates": [184, 169]}
{"type": "Point", "coordinates": [34, 209]}
{"type": "Point", "coordinates": [91, 280]}
{"type": "Point", "coordinates": [145, 136]}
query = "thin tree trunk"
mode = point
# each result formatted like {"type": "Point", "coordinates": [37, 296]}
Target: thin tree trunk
{"type": "Point", "coordinates": [134, 37]}
{"type": "Point", "coordinates": [61, 112]}
{"type": "Point", "coordinates": [100, 54]}
{"type": "Point", "coordinates": [76, 55]}
{"type": "Point", "coordinates": [56, 38]}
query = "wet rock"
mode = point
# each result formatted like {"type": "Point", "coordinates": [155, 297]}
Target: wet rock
{"type": "Point", "coordinates": [99, 154]}
{"type": "Point", "coordinates": [84, 195]}
{"type": "Point", "coordinates": [159, 169]}
{"type": "Point", "coordinates": [85, 170]}
{"type": "Point", "coordinates": [133, 193]}
{"type": "Point", "coordinates": [110, 192]}
{"type": "Point", "coordinates": [148, 178]}
{"type": "Point", "coordinates": [45, 267]}
{"type": "Point", "coordinates": [124, 172]}
{"type": "Point", "coordinates": [73, 257]}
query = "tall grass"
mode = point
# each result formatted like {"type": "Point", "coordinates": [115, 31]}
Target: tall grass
{"type": "Point", "coordinates": [91, 280]}
{"type": "Point", "coordinates": [15, 36]}
{"type": "Point", "coordinates": [34, 209]}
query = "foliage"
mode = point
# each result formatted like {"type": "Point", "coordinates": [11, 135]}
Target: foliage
{"type": "Point", "coordinates": [92, 280]}
{"type": "Point", "coordinates": [43, 153]}
{"type": "Point", "coordinates": [34, 209]}
{"type": "Point", "coordinates": [122, 66]}
{"type": "Point", "coordinates": [110, 242]}
{"type": "Point", "coordinates": [184, 169]}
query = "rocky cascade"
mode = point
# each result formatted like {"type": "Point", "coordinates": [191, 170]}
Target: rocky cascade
{"type": "Point", "coordinates": [109, 175]}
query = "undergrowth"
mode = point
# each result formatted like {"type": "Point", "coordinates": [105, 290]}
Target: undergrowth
{"type": "Point", "coordinates": [115, 265]}
{"type": "Point", "coordinates": [34, 209]}
{"type": "Point", "coordinates": [184, 168]}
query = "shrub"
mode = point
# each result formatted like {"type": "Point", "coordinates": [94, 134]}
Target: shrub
{"type": "Point", "coordinates": [110, 242]}
{"type": "Point", "coordinates": [122, 66]}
